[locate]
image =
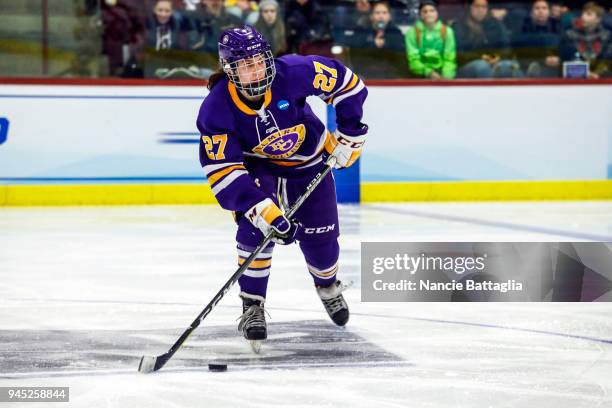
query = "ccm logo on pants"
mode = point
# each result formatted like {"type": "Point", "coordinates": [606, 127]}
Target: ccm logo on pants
{"type": "Point", "coordinates": [319, 230]}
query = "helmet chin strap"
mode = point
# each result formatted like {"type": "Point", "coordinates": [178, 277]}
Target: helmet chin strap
{"type": "Point", "coordinates": [250, 97]}
{"type": "Point", "coordinates": [259, 89]}
{"type": "Point", "coordinates": [254, 89]}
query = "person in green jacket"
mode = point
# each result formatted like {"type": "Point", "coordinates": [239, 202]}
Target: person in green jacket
{"type": "Point", "coordinates": [430, 45]}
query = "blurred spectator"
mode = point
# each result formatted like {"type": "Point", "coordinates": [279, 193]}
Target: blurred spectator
{"type": "Point", "coordinates": [588, 40]}
{"type": "Point", "coordinates": [499, 13]}
{"type": "Point", "coordinates": [168, 29]}
{"type": "Point", "coordinates": [430, 45]}
{"type": "Point", "coordinates": [169, 35]}
{"type": "Point", "coordinates": [308, 28]}
{"type": "Point", "coordinates": [557, 10]}
{"type": "Point", "coordinates": [211, 19]}
{"type": "Point", "coordinates": [381, 31]}
{"type": "Point", "coordinates": [537, 43]}
{"type": "Point", "coordinates": [123, 37]}
{"type": "Point", "coordinates": [245, 10]}
{"type": "Point", "coordinates": [271, 26]}
{"type": "Point", "coordinates": [362, 13]}
{"type": "Point", "coordinates": [378, 49]}
{"type": "Point", "coordinates": [607, 20]}
{"type": "Point", "coordinates": [483, 45]}
{"type": "Point", "coordinates": [403, 12]}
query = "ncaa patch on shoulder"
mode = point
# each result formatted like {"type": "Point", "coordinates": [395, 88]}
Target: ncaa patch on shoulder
{"type": "Point", "coordinates": [283, 105]}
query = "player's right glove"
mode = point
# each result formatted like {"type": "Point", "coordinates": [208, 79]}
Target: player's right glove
{"type": "Point", "coordinates": [346, 149]}
{"type": "Point", "coordinates": [266, 216]}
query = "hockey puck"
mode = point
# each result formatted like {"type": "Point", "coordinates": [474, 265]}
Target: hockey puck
{"type": "Point", "coordinates": [217, 367]}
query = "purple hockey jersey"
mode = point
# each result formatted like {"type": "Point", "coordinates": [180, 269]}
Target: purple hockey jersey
{"type": "Point", "coordinates": [284, 135]}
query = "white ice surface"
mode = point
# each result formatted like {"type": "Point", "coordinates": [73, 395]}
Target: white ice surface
{"type": "Point", "coordinates": [150, 270]}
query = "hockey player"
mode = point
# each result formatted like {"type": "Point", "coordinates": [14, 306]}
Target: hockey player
{"type": "Point", "coordinates": [260, 146]}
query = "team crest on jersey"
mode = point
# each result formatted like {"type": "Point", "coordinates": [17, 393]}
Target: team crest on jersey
{"type": "Point", "coordinates": [282, 143]}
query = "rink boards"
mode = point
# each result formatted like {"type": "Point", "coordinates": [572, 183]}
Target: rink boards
{"type": "Point", "coordinates": [138, 144]}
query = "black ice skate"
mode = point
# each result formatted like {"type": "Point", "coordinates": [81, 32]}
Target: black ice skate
{"type": "Point", "coordinates": [253, 321]}
{"type": "Point", "coordinates": [334, 302]}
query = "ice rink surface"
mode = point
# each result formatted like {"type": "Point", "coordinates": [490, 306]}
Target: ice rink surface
{"type": "Point", "coordinates": [85, 291]}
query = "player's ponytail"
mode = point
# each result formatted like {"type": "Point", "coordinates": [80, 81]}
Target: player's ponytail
{"type": "Point", "coordinates": [215, 77]}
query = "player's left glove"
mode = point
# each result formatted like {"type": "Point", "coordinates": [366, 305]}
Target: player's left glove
{"type": "Point", "coordinates": [346, 149]}
{"type": "Point", "coordinates": [266, 216]}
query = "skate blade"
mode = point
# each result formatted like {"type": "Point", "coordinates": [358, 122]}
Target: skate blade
{"type": "Point", "coordinates": [255, 346]}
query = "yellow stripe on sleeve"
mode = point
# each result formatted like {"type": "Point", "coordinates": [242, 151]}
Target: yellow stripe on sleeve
{"type": "Point", "coordinates": [219, 175]}
{"type": "Point", "coordinates": [351, 85]}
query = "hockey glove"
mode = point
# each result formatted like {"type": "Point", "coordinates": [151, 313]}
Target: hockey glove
{"type": "Point", "coordinates": [346, 149]}
{"type": "Point", "coordinates": [267, 217]}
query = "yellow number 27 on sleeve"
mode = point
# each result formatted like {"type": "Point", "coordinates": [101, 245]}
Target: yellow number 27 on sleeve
{"type": "Point", "coordinates": [323, 81]}
{"type": "Point", "coordinates": [215, 146]}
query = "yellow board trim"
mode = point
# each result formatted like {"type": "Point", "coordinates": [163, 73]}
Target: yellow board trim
{"type": "Point", "coordinates": [118, 194]}
{"type": "Point", "coordinates": [486, 191]}
{"type": "Point", "coordinates": [141, 194]}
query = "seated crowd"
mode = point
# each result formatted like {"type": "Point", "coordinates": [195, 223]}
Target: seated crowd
{"type": "Point", "coordinates": [378, 39]}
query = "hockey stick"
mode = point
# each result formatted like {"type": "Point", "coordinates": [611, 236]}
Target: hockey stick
{"type": "Point", "coordinates": [150, 363]}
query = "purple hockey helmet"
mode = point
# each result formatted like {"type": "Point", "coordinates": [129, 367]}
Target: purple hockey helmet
{"type": "Point", "coordinates": [245, 49]}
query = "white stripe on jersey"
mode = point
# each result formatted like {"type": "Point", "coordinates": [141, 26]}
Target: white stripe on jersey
{"type": "Point", "coordinates": [317, 270]}
{"type": "Point", "coordinates": [312, 163]}
{"type": "Point", "coordinates": [227, 180]}
{"type": "Point", "coordinates": [255, 155]}
{"type": "Point", "coordinates": [352, 92]}
{"type": "Point", "coordinates": [285, 198]}
{"type": "Point", "coordinates": [249, 249]}
{"type": "Point", "coordinates": [257, 274]}
{"type": "Point", "coordinates": [260, 256]}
